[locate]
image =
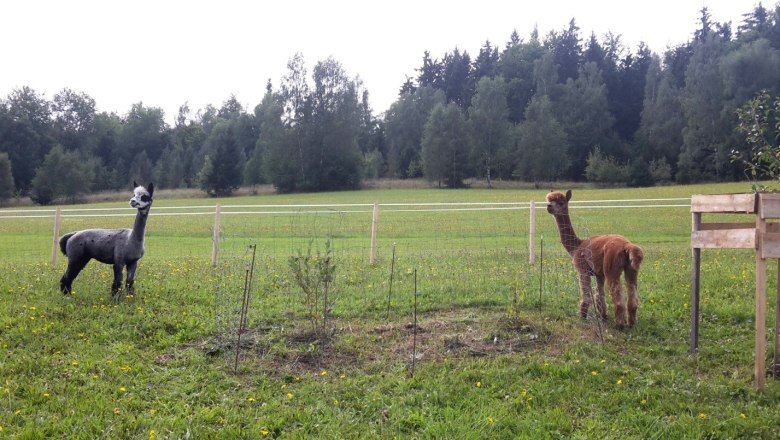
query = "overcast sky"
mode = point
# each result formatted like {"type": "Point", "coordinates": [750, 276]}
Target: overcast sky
{"type": "Point", "coordinates": [168, 52]}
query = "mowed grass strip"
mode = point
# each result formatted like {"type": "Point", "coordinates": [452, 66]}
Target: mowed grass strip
{"type": "Point", "coordinates": [500, 351]}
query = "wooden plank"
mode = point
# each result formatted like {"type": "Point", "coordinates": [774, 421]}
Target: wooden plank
{"type": "Point", "coordinates": [769, 205]}
{"type": "Point", "coordinates": [724, 239]}
{"type": "Point", "coordinates": [770, 245]}
{"type": "Point", "coordinates": [722, 226]}
{"type": "Point", "coordinates": [728, 203]}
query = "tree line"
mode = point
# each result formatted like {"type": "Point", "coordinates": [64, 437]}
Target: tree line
{"type": "Point", "coordinates": [558, 107]}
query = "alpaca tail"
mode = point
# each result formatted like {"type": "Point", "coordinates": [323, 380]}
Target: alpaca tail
{"type": "Point", "coordinates": [635, 255]}
{"type": "Point", "coordinates": [64, 242]}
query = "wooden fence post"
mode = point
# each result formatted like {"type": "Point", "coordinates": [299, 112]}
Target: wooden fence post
{"type": "Point", "coordinates": [374, 227]}
{"type": "Point", "coordinates": [760, 342]}
{"type": "Point", "coordinates": [776, 356]}
{"type": "Point", "coordinates": [532, 233]}
{"type": "Point", "coordinates": [695, 283]}
{"type": "Point", "coordinates": [215, 238]}
{"type": "Point", "coordinates": [55, 240]}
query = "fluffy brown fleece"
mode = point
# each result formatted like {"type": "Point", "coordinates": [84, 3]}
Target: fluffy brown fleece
{"type": "Point", "coordinates": [602, 256]}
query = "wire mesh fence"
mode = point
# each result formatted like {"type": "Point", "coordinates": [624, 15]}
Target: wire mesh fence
{"type": "Point", "coordinates": [465, 254]}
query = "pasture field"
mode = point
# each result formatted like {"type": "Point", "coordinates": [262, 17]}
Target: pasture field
{"type": "Point", "coordinates": [498, 350]}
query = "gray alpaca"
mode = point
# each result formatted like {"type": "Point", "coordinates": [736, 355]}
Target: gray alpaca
{"type": "Point", "coordinates": [118, 247]}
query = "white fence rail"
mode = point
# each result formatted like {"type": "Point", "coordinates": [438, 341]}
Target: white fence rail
{"type": "Point", "coordinates": [375, 209]}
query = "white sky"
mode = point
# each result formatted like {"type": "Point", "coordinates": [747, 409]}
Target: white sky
{"type": "Point", "coordinates": [166, 52]}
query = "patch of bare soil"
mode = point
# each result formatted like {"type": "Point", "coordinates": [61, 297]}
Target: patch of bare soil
{"type": "Point", "coordinates": [295, 350]}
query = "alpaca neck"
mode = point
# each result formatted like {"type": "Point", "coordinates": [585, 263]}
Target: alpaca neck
{"type": "Point", "coordinates": [139, 227]}
{"type": "Point", "coordinates": [569, 238]}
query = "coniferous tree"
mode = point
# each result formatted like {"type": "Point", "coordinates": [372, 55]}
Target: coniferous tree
{"type": "Point", "coordinates": [566, 51]}
{"type": "Point", "coordinates": [516, 65]}
{"type": "Point", "coordinates": [541, 143]}
{"type": "Point", "coordinates": [486, 63]}
{"type": "Point", "coordinates": [660, 131]}
{"type": "Point", "coordinates": [705, 153]}
{"type": "Point", "coordinates": [431, 73]}
{"type": "Point", "coordinates": [583, 111]}
{"type": "Point", "coordinates": [222, 171]}
{"type": "Point", "coordinates": [457, 81]}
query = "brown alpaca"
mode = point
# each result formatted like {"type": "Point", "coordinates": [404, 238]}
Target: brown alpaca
{"type": "Point", "coordinates": [602, 256]}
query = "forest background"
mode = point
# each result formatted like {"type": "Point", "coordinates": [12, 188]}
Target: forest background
{"type": "Point", "coordinates": [562, 106]}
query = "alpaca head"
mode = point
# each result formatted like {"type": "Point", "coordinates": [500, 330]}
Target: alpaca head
{"type": "Point", "coordinates": [558, 203]}
{"type": "Point", "coordinates": [142, 197]}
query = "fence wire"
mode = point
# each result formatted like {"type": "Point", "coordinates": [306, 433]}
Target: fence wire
{"type": "Point", "coordinates": [465, 255]}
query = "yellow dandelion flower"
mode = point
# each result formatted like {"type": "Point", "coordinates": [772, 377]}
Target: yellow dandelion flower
{"type": "Point", "coordinates": [703, 416]}
{"type": "Point", "coordinates": [45, 394]}
{"type": "Point", "coordinates": [324, 373]}
{"type": "Point", "coordinates": [251, 399]}
{"type": "Point", "coordinates": [117, 411]}
{"type": "Point", "coordinates": [620, 382]}
{"type": "Point", "coordinates": [643, 402]}
{"type": "Point", "coordinates": [152, 411]}
{"type": "Point", "coordinates": [742, 415]}
{"type": "Point", "coordinates": [264, 432]}
{"type": "Point", "coordinates": [151, 434]}
{"type": "Point", "coordinates": [289, 395]}
{"type": "Point", "coordinates": [490, 420]}
{"type": "Point", "coordinates": [75, 364]}
{"type": "Point", "coordinates": [524, 392]}
{"type": "Point", "coordinates": [479, 384]}
{"type": "Point", "coordinates": [594, 373]}
{"type": "Point", "coordinates": [335, 402]}
{"type": "Point", "coordinates": [343, 376]}
{"type": "Point", "coordinates": [122, 389]}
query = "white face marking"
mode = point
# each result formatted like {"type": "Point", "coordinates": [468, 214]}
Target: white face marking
{"type": "Point", "coordinates": [141, 198]}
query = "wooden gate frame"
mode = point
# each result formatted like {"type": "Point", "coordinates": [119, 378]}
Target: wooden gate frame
{"type": "Point", "coordinates": [761, 235]}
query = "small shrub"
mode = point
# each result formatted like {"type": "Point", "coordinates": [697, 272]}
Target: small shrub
{"type": "Point", "coordinates": [314, 275]}
{"type": "Point", "coordinates": [605, 169]}
{"type": "Point", "coordinates": [661, 171]}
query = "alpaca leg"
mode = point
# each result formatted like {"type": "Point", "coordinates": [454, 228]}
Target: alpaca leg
{"type": "Point", "coordinates": [601, 305]}
{"type": "Point", "coordinates": [73, 270]}
{"type": "Point", "coordinates": [585, 294]}
{"type": "Point", "coordinates": [617, 300]}
{"type": "Point", "coordinates": [633, 301]}
{"type": "Point", "coordinates": [117, 280]}
{"type": "Point", "coordinates": [131, 277]}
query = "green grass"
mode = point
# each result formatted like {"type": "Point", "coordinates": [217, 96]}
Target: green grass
{"type": "Point", "coordinates": [502, 353]}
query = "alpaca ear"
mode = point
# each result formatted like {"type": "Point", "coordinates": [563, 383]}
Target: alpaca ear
{"type": "Point", "coordinates": [150, 188]}
{"type": "Point", "coordinates": [135, 185]}
{"type": "Point", "coordinates": [568, 195]}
